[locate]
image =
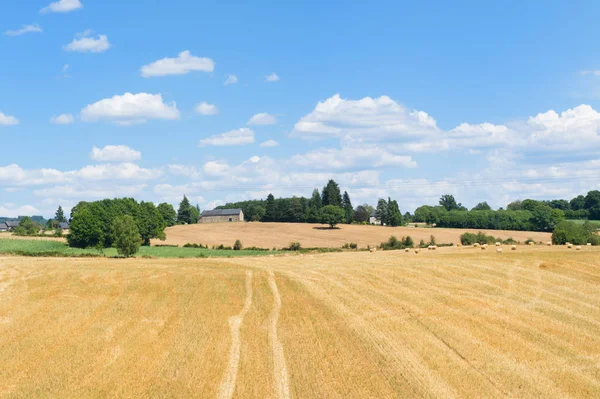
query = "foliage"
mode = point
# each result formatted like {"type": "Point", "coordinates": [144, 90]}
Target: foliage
{"type": "Point", "coordinates": [331, 194]}
{"type": "Point", "coordinates": [27, 227]}
{"type": "Point", "coordinates": [167, 213]}
{"type": "Point", "coordinates": [60, 215]}
{"type": "Point", "coordinates": [294, 246]}
{"type": "Point", "coordinates": [579, 234]}
{"type": "Point", "coordinates": [86, 229]}
{"type": "Point", "coordinates": [126, 237]}
{"type": "Point", "coordinates": [479, 238]}
{"type": "Point", "coordinates": [362, 213]}
{"type": "Point", "coordinates": [389, 212]}
{"type": "Point", "coordinates": [482, 206]}
{"type": "Point", "coordinates": [237, 246]}
{"type": "Point", "coordinates": [58, 232]}
{"type": "Point", "coordinates": [393, 243]}
{"type": "Point", "coordinates": [185, 213]}
{"type": "Point", "coordinates": [448, 202]}
{"type": "Point", "coordinates": [350, 245]}
{"type": "Point", "coordinates": [332, 215]}
{"type": "Point", "coordinates": [348, 210]}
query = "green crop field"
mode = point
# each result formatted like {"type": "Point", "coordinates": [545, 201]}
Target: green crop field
{"type": "Point", "coordinates": [56, 248]}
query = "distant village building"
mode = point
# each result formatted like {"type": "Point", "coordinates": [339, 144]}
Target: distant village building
{"type": "Point", "coordinates": [221, 216]}
{"type": "Point", "coordinates": [3, 227]}
{"type": "Point", "coordinates": [10, 226]}
{"type": "Point", "coordinates": [63, 226]}
{"type": "Point", "coordinates": [373, 219]}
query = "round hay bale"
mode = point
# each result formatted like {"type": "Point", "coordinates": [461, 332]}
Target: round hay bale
{"type": "Point", "coordinates": [589, 244]}
{"type": "Point", "coordinates": [514, 247]}
{"type": "Point", "coordinates": [578, 248]}
{"type": "Point", "coordinates": [499, 250]}
{"type": "Point", "coordinates": [407, 250]}
{"type": "Point", "coordinates": [531, 243]}
{"type": "Point", "coordinates": [569, 245]}
{"type": "Point", "coordinates": [483, 247]}
{"type": "Point", "coordinates": [549, 243]}
{"type": "Point", "coordinates": [498, 243]}
{"type": "Point", "coordinates": [417, 250]}
{"type": "Point", "coordinates": [458, 245]}
{"type": "Point", "coordinates": [476, 245]}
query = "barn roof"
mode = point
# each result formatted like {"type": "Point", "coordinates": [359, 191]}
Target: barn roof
{"type": "Point", "coordinates": [222, 212]}
{"type": "Point", "coordinates": [64, 225]}
{"type": "Point", "coordinates": [11, 224]}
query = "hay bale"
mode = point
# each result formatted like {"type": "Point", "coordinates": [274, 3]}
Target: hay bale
{"type": "Point", "coordinates": [549, 243]}
{"type": "Point", "coordinates": [476, 245]}
{"type": "Point", "coordinates": [569, 245]}
{"type": "Point", "coordinates": [514, 247]}
{"type": "Point", "coordinates": [458, 245]}
{"type": "Point", "coordinates": [531, 243]}
{"type": "Point", "coordinates": [498, 243]}
{"type": "Point", "coordinates": [417, 250]}
{"type": "Point", "coordinates": [589, 244]}
{"type": "Point", "coordinates": [578, 248]}
{"type": "Point", "coordinates": [372, 250]}
{"type": "Point", "coordinates": [499, 250]}
{"type": "Point", "coordinates": [407, 250]}
{"type": "Point", "coordinates": [483, 247]}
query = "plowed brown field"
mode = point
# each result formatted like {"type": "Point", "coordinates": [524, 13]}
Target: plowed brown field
{"type": "Point", "coordinates": [269, 235]}
{"type": "Point", "coordinates": [447, 323]}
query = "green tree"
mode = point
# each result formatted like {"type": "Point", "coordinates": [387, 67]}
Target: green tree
{"type": "Point", "coordinates": [27, 227]}
{"type": "Point", "coordinates": [315, 201]}
{"type": "Point", "coordinates": [450, 204]}
{"type": "Point", "coordinates": [271, 209]}
{"type": "Point", "coordinates": [482, 206]}
{"type": "Point", "coordinates": [393, 213]}
{"type": "Point", "coordinates": [347, 205]}
{"type": "Point", "coordinates": [60, 215]}
{"type": "Point", "coordinates": [167, 213]}
{"type": "Point", "coordinates": [195, 214]}
{"type": "Point", "coordinates": [150, 223]}
{"type": "Point", "coordinates": [592, 204]}
{"type": "Point", "coordinates": [184, 213]}
{"type": "Point", "coordinates": [362, 213]}
{"type": "Point", "coordinates": [331, 194]}
{"type": "Point", "coordinates": [332, 215]}
{"type": "Point", "coordinates": [85, 229]}
{"type": "Point", "coordinates": [126, 236]}
{"type": "Point", "coordinates": [381, 212]}
{"type": "Point", "coordinates": [578, 203]}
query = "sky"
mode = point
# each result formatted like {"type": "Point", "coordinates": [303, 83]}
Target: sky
{"type": "Point", "coordinates": [228, 101]}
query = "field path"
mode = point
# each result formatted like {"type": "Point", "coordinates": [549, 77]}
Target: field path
{"type": "Point", "coordinates": [235, 322]}
{"type": "Point", "coordinates": [280, 374]}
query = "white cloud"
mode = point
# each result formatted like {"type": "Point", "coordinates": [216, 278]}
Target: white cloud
{"type": "Point", "coordinates": [591, 72]}
{"type": "Point", "coordinates": [62, 6]}
{"type": "Point", "coordinates": [207, 109]}
{"type": "Point", "coordinates": [64, 119]}
{"type": "Point", "coordinates": [86, 43]}
{"type": "Point", "coordinates": [351, 157]}
{"type": "Point", "coordinates": [272, 77]}
{"type": "Point", "coordinates": [95, 192]}
{"type": "Point", "coordinates": [184, 170]}
{"type": "Point", "coordinates": [130, 109]}
{"type": "Point", "coordinates": [7, 120]}
{"type": "Point", "coordinates": [115, 153]}
{"type": "Point", "coordinates": [182, 65]}
{"type": "Point", "coordinates": [34, 28]}
{"type": "Point", "coordinates": [11, 211]}
{"type": "Point", "coordinates": [234, 137]}
{"type": "Point", "coordinates": [269, 143]}
{"type": "Point", "coordinates": [262, 118]}
{"type": "Point", "coordinates": [231, 79]}
{"type": "Point", "coordinates": [369, 118]}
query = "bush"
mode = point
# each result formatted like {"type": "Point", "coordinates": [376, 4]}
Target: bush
{"type": "Point", "coordinates": [189, 245]}
{"type": "Point", "coordinates": [575, 234]}
{"type": "Point", "coordinates": [509, 241]}
{"type": "Point", "coordinates": [126, 235]}
{"type": "Point", "coordinates": [294, 246]}
{"type": "Point", "coordinates": [408, 242]}
{"type": "Point", "coordinates": [350, 245]}
{"type": "Point", "coordinates": [432, 240]}
{"type": "Point", "coordinates": [529, 240]}
{"type": "Point", "coordinates": [479, 238]}
{"type": "Point", "coordinates": [393, 243]}
{"type": "Point", "coordinates": [58, 232]}
{"type": "Point", "coordinates": [237, 246]}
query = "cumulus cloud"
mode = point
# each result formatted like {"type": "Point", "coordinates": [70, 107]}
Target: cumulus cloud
{"type": "Point", "coordinates": [183, 64]}
{"type": "Point", "coordinates": [269, 143]}
{"type": "Point", "coordinates": [262, 118]}
{"type": "Point", "coordinates": [12, 211]}
{"type": "Point", "coordinates": [86, 43]}
{"type": "Point", "coordinates": [231, 80]}
{"type": "Point", "coordinates": [64, 119]}
{"type": "Point", "coordinates": [351, 157]}
{"type": "Point", "coordinates": [591, 72]}
{"type": "Point", "coordinates": [234, 137]}
{"type": "Point", "coordinates": [272, 77]}
{"type": "Point", "coordinates": [62, 6]}
{"type": "Point", "coordinates": [115, 153]}
{"type": "Point", "coordinates": [130, 109]}
{"type": "Point", "coordinates": [95, 192]}
{"type": "Point", "coordinates": [7, 120]}
{"type": "Point", "coordinates": [207, 109]}
{"type": "Point", "coordinates": [34, 28]}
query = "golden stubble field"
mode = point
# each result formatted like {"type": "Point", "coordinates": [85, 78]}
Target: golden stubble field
{"type": "Point", "coordinates": [447, 323]}
{"type": "Point", "coordinates": [279, 235]}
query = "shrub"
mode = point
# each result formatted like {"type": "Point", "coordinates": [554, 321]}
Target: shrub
{"type": "Point", "coordinates": [408, 242]}
{"type": "Point", "coordinates": [422, 244]}
{"type": "Point", "coordinates": [432, 240]}
{"type": "Point", "coordinates": [529, 240]}
{"type": "Point", "coordinates": [393, 243]}
{"type": "Point", "coordinates": [479, 238]}
{"type": "Point", "coordinates": [237, 246]}
{"type": "Point", "coordinates": [294, 246]}
{"type": "Point", "coordinates": [58, 232]}
{"type": "Point", "coordinates": [509, 241]}
{"type": "Point", "coordinates": [575, 234]}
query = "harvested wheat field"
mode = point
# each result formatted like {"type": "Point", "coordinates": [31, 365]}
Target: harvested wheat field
{"type": "Point", "coordinates": [447, 323]}
{"type": "Point", "coordinates": [279, 235]}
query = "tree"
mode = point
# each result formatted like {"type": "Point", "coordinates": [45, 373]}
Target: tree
{"type": "Point", "coordinates": [332, 215]}
{"type": "Point", "coordinates": [347, 205]}
{"type": "Point", "coordinates": [362, 213]}
{"type": "Point", "coordinates": [60, 215]}
{"type": "Point", "coordinates": [592, 204]}
{"type": "Point", "coordinates": [150, 223]}
{"type": "Point", "coordinates": [578, 203]}
{"type": "Point", "coordinates": [85, 229]}
{"type": "Point", "coordinates": [167, 213]}
{"type": "Point", "coordinates": [331, 194]}
{"type": "Point", "coordinates": [184, 213]}
{"type": "Point", "coordinates": [315, 201]}
{"type": "Point", "coordinates": [271, 209]}
{"type": "Point", "coordinates": [27, 227]}
{"type": "Point", "coordinates": [194, 214]}
{"type": "Point", "coordinates": [450, 204]}
{"type": "Point", "coordinates": [482, 206]}
{"type": "Point", "coordinates": [393, 213]}
{"type": "Point", "coordinates": [126, 236]}
{"type": "Point", "coordinates": [381, 212]}
{"type": "Point", "coordinates": [515, 206]}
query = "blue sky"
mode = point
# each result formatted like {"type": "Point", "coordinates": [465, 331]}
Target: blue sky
{"type": "Point", "coordinates": [485, 101]}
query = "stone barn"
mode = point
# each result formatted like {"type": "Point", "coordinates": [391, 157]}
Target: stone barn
{"type": "Point", "coordinates": [221, 216]}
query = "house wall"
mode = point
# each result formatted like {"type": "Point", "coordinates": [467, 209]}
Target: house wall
{"type": "Point", "coordinates": [222, 219]}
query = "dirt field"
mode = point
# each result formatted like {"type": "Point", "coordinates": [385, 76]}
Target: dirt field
{"type": "Point", "coordinates": [269, 235]}
{"type": "Point", "coordinates": [447, 323]}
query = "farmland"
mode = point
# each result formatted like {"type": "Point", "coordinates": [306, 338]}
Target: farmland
{"type": "Point", "coordinates": [279, 235]}
{"type": "Point", "coordinates": [456, 322]}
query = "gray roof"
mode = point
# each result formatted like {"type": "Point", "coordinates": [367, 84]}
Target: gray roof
{"type": "Point", "coordinates": [222, 212]}
{"type": "Point", "coordinates": [12, 224]}
{"type": "Point", "coordinates": [64, 225]}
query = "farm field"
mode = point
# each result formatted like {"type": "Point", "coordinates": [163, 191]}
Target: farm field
{"type": "Point", "coordinates": [456, 322]}
{"type": "Point", "coordinates": [279, 235]}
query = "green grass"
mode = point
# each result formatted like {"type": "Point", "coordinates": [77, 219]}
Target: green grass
{"type": "Point", "coordinates": [58, 249]}
{"type": "Point", "coordinates": [596, 223]}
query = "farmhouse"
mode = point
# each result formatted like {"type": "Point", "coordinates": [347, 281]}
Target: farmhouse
{"type": "Point", "coordinates": [221, 216]}
{"type": "Point", "coordinates": [373, 219]}
{"type": "Point", "coordinates": [10, 226]}
{"type": "Point", "coordinates": [3, 227]}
